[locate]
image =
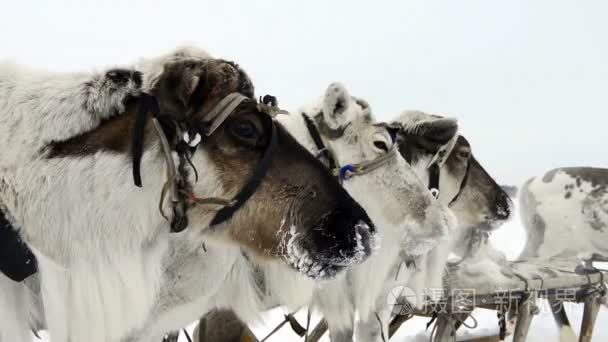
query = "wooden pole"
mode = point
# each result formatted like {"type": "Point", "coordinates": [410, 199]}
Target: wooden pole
{"type": "Point", "coordinates": [526, 311]}
{"type": "Point", "coordinates": [318, 331]}
{"type": "Point", "coordinates": [592, 307]}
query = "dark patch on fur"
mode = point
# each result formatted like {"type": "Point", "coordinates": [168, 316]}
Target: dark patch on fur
{"type": "Point", "coordinates": [596, 176]}
{"type": "Point", "coordinates": [112, 135]}
{"type": "Point", "coordinates": [548, 177]}
{"type": "Point", "coordinates": [568, 195]}
{"type": "Point", "coordinates": [121, 77]}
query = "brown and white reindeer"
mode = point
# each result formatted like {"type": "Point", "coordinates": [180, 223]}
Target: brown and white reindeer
{"type": "Point", "coordinates": [102, 244]}
{"type": "Point", "coordinates": [444, 160]}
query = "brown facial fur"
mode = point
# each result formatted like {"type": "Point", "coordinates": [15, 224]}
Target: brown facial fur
{"type": "Point", "coordinates": [296, 180]}
{"type": "Point", "coordinates": [481, 197]}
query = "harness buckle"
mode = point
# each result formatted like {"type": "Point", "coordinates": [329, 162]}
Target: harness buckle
{"type": "Point", "coordinates": [434, 192]}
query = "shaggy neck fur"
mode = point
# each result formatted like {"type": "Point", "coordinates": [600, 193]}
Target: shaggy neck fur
{"type": "Point", "coordinates": [99, 265]}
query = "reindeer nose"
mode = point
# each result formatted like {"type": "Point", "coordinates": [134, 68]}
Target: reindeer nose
{"type": "Point", "coordinates": [504, 206]}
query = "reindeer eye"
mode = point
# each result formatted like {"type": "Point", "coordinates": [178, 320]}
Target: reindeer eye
{"type": "Point", "coordinates": [381, 145]}
{"type": "Point", "coordinates": [244, 129]}
{"type": "Point", "coordinates": [464, 154]}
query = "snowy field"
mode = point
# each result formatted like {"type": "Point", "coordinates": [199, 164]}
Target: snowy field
{"type": "Point", "coordinates": [510, 239]}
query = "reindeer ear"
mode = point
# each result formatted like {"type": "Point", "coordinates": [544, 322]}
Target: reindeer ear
{"type": "Point", "coordinates": [335, 102]}
{"type": "Point", "coordinates": [190, 82]}
{"type": "Point", "coordinates": [439, 130]}
{"type": "Point", "coordinates": [179, 82]}
{"type": "Point", "coordinates": [431, 132]}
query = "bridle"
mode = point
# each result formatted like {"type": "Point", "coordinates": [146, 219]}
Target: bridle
{"type": "Point", "coordinates": [346, 171]}
{"type": "Point", "coordinates": [190, 136]}
{"type": "Point", "coordinates": [435, 174]}
{"type": "Point", "coordinates": [434, 170]}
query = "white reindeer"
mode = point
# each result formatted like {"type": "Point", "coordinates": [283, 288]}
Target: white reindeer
{"type": "Point", "coordinates": [480, 205]}
{"type": "Point", "coordinates": [565, 214]}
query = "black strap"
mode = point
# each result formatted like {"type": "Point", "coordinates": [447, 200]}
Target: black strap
{"type": "Point", "coordinates": [17, 261]}
{"type": "Point", "coordinates": [252, 184]}
{"type": "Point", "coordinates": [434, 176]}
{"type": "Point", "coordinates": [464, 181]}
{"type": "Point", "coordinates": [147, 104]}
{"type": "Point", "coordinates": [316, 137]}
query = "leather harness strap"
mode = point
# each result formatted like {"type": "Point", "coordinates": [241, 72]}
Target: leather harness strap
{"type": "Point", "coordinates": [17, 261]}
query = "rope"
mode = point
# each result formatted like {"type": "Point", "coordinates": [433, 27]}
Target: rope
{"type": "Point", "coordinates": [364, 167]}
{"type": "Point", "coordinates": [473, 326]}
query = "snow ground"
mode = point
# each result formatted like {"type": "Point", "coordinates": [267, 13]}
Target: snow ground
{"type": "Point", "coordinates": [509, 239]}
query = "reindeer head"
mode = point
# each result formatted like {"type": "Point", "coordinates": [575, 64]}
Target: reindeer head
{"type": "Point", "coordinates": [472, 194]}
{"type": "Point", "coordinates": [364, 157]}
{"type": "Point", "coordinates": [298, 212]}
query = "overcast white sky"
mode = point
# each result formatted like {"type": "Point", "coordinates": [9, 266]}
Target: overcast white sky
{"type": "Point", "coordinates": [528, 80]}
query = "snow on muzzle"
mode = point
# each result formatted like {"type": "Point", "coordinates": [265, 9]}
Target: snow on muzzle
{"type": "Point", "coordinates": [341, 238]}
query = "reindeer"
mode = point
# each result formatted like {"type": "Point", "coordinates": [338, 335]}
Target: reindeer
{"type": "Point", "coordinates": [444, 160]}
{"type": "Point", "coordinates": [222, 166]}
{"type": "Point", "coordinates": [565, 214]}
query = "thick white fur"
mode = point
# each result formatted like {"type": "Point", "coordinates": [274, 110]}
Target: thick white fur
{"type": "Point", "coordinates": [38, 107]}
{"type": "Point", "coordinates": [100, 265]}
